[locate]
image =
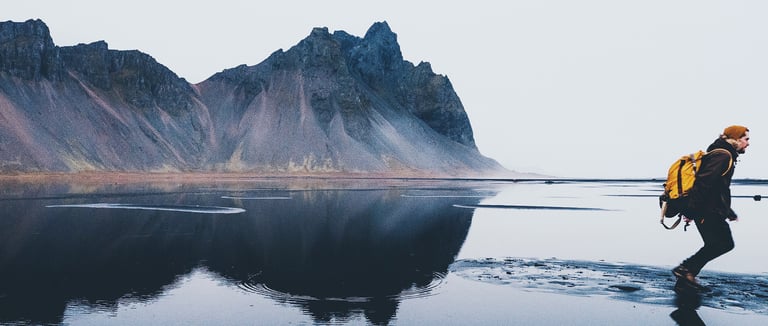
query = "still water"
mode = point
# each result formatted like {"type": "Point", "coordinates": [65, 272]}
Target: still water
{"type": "Point", "coordinates": [276, 251]}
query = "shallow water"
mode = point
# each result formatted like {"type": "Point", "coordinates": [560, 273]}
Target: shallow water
{"type": "Point", "coordinates": [355, 252]}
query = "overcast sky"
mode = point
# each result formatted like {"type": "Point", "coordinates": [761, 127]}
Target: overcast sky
{"type": "Point", "coordinates": [590, 88]}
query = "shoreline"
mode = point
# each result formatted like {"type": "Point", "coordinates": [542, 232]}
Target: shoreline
{"type": "Point", "coordinates": [192, 177]}
{"type": "Point", "coordinates": [129, 177]}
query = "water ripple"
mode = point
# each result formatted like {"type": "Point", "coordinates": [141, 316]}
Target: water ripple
{"type": "Point", "coordinates": [410, 293]}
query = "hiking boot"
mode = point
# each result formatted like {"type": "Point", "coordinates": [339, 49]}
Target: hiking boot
{"type": "Point", "coordinates": [688, 279]}
{"type": "Point", "coordinates": [681, 272]}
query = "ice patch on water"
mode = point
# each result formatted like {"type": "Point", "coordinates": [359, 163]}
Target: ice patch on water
{"type": "Point", "coordinates": [167, 208]}
{"type": "Point", "coordinates": [443, 196]}
{"type": "Point", "coordinates": [256, 198]}
{"type": "Point", "coordinates": [564, 208]}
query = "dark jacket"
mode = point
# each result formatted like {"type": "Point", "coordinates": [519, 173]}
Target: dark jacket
{"type": "Point", "coordinates": [711, 192]}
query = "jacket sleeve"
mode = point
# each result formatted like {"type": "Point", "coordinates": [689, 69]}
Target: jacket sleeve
{"type": "Point", "coordinates": [708, 179]}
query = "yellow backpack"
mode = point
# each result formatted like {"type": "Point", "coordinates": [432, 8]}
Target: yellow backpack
{"type": "Point", "coordinates": [680, 179]}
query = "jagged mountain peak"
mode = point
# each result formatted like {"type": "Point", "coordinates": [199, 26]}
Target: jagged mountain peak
{"type": "Point", "coordinates": [381, 36]}
{"type": "Point", "coordinates": [379, 29]}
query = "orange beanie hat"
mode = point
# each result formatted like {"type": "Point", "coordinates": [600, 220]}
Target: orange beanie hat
{"type": "Point", "coordinates": [735, 132]}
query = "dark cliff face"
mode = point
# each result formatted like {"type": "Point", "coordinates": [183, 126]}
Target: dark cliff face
{"type": "Point", "coordinates": [138, 78]}
{"type": "Point", "coordinates": [27, 50]}
{"type": "Point", "coordinates": [332, 103]}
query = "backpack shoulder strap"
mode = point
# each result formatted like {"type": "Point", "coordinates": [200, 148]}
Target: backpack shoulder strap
{"type": "Point", "coordinates": [730, 158]}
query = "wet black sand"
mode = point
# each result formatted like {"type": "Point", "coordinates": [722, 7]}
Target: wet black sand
{"type": "Point", "coordinates": [740, 293]}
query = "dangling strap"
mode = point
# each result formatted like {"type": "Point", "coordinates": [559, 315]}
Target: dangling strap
{"type": "Point", "coordinates": [663, 211]}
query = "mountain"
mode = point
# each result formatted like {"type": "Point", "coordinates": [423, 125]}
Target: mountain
{"type": "Point", "coordinates": [333, 103]}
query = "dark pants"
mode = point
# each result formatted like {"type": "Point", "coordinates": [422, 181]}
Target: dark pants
{"type": "Point", "coordinates": [718, 240]}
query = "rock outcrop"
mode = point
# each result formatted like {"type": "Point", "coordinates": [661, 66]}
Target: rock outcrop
{"type": "Point", "coordinates": [333, 103]}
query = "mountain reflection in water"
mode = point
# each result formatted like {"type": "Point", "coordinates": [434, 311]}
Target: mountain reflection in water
{"type": "Point", "coordinates": [335, 254]}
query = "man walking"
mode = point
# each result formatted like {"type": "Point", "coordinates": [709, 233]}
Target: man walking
{"type": "Point", "coordinates": [709, 203]}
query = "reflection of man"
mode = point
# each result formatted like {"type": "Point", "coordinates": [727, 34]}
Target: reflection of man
{"type": "Point", "coordinates": [687, 316]}
{"type": "Point", "coordinates": [710, 203]}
